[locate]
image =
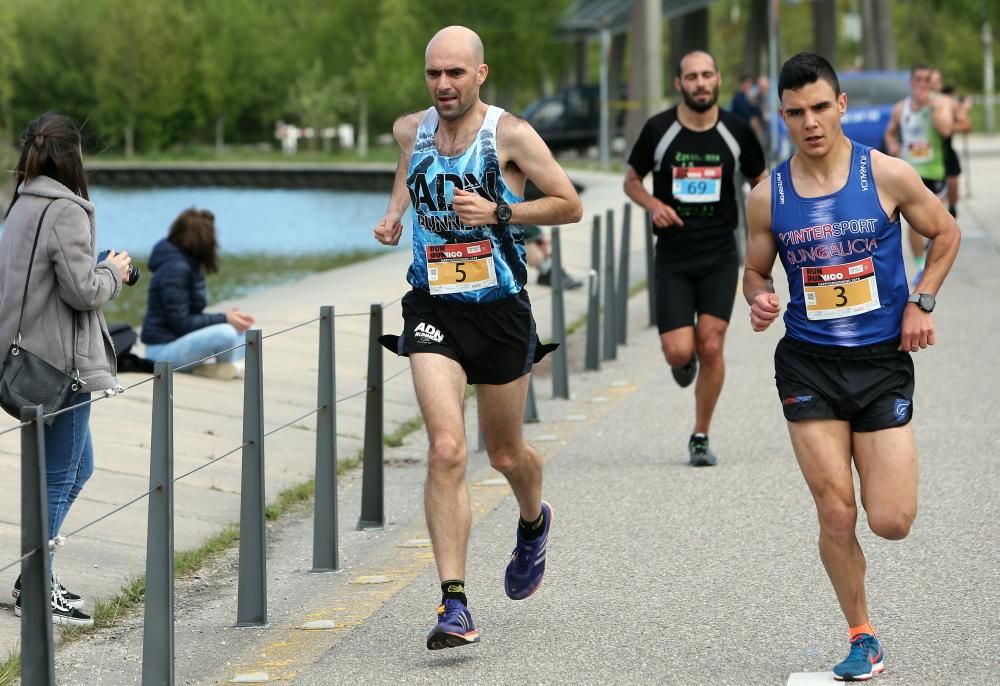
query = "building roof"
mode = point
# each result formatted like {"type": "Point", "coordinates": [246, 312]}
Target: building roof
{"type": "Point", "coordinates": [586, 16]}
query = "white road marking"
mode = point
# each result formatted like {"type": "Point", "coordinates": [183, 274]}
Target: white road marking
{"type": "Point", "coordinates": [812, 679]}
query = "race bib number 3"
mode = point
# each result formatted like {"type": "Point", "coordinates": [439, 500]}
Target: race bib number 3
{"type": "Point", "coordinates": [697, 184]}
{"type": "Point", "coordinates": [842, 290]}
{"type": "Point", "coordinates": [460, 267]}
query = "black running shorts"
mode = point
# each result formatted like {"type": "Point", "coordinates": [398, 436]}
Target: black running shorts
{"type": "Point", "coordinates": [704, 285]}
{"type": "Point", "coordinates": [952, 167]}
{"type": "Point", "coordinates": [869, 386]}
{"type": "Point", "coordinates": [938, 187]}
{"type": "Point", "coordinates": [495, 342]}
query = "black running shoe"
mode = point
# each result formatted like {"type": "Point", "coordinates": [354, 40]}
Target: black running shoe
{"type": "Point", "coordinates": [699, 454]}
{"type": "Point", "coordinates": [569, 283]}
{"type": "Point", "coordinates": [72, 599]}
{"type": "Point", "coordinates": [685, 375]}
{"type": "Point", "coordinates": [62, 613]}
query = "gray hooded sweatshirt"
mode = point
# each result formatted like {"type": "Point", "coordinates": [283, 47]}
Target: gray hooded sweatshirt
{"type": "Point", "coordinates": [66, 285]}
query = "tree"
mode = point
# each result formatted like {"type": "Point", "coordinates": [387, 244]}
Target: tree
{"type": "Point", "coordinates": [10, 61]}
{"type": "Point", "coordinates": [320, 100]}
{"type": "Point", "coordinates": [755, 38]}
{"type": "Point", "coordinates": [142, 70]}
{"type": "Point", "coordinates": [236, 58]}
{"type": "Point", "coordinates": [825, 29]}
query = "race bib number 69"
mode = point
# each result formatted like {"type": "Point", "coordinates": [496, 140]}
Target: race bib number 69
{"type": "Point", "coordinates": [697, 184]}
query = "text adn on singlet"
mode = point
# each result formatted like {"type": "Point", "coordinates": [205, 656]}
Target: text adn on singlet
{"type": "Point", "coordinates": [468, 264]}
{"type": "Point", "coordinates": [843, 257]}
{"type": "Point", "coordinates": [693, 173]}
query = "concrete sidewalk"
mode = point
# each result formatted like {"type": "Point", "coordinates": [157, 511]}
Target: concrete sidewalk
{"type": "Point", "coordinates": [208, 414]}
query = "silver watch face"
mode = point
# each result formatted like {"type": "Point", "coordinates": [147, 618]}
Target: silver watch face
{"type": "Point", "coordinates": [926, 302]}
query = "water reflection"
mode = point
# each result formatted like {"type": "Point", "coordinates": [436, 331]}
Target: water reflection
{"type": "Point", "coordinates": [248, 220]}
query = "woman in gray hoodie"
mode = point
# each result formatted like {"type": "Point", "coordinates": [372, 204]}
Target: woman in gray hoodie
{"type": "Point", "coordinates": [62, 323]}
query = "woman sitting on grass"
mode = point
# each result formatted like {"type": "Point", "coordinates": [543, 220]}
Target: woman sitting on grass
{"type": "Point", "coordinates": [176, 327]}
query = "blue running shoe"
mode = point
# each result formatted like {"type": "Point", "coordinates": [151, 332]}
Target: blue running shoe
{"type": "Point", "coordinates": [454, 627]}
{"type": "Point", "coordinates": [527, 563]}
{"type": "Point", "coordinates": [863, 662]}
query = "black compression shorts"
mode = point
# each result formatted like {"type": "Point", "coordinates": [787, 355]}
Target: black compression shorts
{"type": "Point", "coordinates": [938, 187]}
{"type": "Point", "coordinates": [869, 386]}
{"type": "Point", "coordinates": [705, 285]}
{"type": "Point", "coordinates": [952, 167]}
{"type": "Point", "coordinates": [494, 342]}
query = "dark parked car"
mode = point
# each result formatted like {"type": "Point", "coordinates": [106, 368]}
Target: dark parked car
{"type": "Point", "coordinates": [571, 119]}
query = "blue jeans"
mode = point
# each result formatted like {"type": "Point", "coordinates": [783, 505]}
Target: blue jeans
{"type": "Point", "coordinates": [200, 344]}
{"type": "Point", "coordinates": [69, 460]}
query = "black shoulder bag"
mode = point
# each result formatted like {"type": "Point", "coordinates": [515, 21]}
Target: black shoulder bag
{"type": "Point", "coordinates": [28, 379]}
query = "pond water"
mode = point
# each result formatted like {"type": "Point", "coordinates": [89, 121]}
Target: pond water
{"type": "Point", "coordinates": [247, 220]}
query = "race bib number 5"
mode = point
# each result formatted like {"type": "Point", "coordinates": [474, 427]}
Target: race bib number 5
{"type": "Point", "coordinates": [697, 184]}
{"type": "Point", "coordinates": [460, 267]}
{"type": "Point", "coordinates": [842, 290]}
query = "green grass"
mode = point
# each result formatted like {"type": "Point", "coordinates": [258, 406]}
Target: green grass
{"type": "Point", "coordinates": [395, 439]}
{"type": "Point", "coordinates": [237, 276]}
{"type": "Point", "coordinates": [10, 669]}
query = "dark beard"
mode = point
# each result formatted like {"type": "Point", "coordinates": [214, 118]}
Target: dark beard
{"type": "Point", "coordinates": [700, 107]}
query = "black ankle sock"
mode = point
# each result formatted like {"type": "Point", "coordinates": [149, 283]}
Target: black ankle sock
{"type": "Point", "coordinates": [531, 530]}
{"type": "Point", "coordinates": [453, 589]}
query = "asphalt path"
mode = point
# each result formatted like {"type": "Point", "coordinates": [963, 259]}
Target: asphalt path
{"type": "Point", "coordinates": [658, 573]}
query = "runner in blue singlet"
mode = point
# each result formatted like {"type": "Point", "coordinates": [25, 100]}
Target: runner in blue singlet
{"type": "Point", "coordinates": [468, 319]}
{"type": "Point", "coordinates": [843, 369]}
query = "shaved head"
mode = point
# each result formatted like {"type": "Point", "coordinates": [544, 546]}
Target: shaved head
{"type": "Point", "coordinates": [456, 40]}
{"type": "Point", "coordinates": [454, 71]}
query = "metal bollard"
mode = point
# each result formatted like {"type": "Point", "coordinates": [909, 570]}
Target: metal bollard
{"type": "Point", "coordinates": [621, 313]}
{"type": "Point", "coordinates": [251, 600]}
{"type": "Point", "coordinates": [326, 549]}
{"type": "Point", "coordinates": [592, 356]}
{"type": "Point", "coordinates": [610, 316]}
{"type": "Point", "coordinates": [37, 650]}
{"type": "Point", "coordinates": [650, 270]}
{"type": "Point", "coordinates": [158, 617]}
{"type": "Point", "coordinates": [372, 482]}
{"type": "Point", "coordinates": [530, 406]}
{"type": "Point", "coordinates": [560, 366]}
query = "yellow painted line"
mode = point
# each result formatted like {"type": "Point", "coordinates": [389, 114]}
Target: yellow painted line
{"type": "Point", "coordinates": [295, 648]}
{"type": "Point", "coordinates": [491, 482]}
{"type": "Point", "coordinates": [619, 390]}
{"type": "Point", "coordinates": [416, 543]}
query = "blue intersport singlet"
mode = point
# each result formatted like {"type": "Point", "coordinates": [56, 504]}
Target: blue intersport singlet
{"type": "Point", "coordinates": [467, 264]}
{"type": "Point", "coordinates": [843, 258]}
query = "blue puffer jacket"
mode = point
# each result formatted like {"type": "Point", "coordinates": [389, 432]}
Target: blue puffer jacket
{"type": "Point", "coordinates": [177, 296]}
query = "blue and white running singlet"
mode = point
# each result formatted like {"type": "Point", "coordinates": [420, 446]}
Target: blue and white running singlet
{"type": "Point", "coordinates": [467, 264]}
{"type": "Point", "coordinates": [843, 257]}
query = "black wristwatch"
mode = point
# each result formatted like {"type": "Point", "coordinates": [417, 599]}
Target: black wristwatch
{"type": "Point", "coordinates": [925, 301]}
{"type": "Point", "coordinates": [504, 213]}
